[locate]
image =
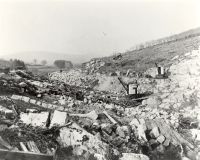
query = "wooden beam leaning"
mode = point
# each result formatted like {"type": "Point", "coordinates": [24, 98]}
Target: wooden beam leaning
{"type": "Point", "coordinates": [19, 155]}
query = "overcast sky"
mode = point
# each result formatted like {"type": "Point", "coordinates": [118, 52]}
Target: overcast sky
{"type": "Point", "coordinates": [98, 27]}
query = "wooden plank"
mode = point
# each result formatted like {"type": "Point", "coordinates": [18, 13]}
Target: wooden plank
{"type": "Point", "coordinates": [23, 147]}
{"type": "Point", "coordinates": [5, 144]}
{"type": "Point", "coordinates": [34, 146]}
{"type": "Point", "coordinates": [18, 155]}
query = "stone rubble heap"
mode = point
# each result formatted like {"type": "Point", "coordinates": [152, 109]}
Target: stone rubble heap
{"type": "Point", "coordinates": [93, 66]}
{"type": "Point", "coordinates": [92, 116]}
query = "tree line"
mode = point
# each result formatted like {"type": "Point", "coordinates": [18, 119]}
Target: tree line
{"type": "Point", "coordinates": [19, 64]}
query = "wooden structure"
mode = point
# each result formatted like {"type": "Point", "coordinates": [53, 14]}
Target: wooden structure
{"type": "Point", "coordinates": [131, 88]}
{"type": "Point", "coordinates": [161, 72]}
{"type": "Point", "coordinates": [19, 155]}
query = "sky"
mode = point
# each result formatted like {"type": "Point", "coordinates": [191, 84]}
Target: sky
{"type": "Point", "coordinates": [90, 27]}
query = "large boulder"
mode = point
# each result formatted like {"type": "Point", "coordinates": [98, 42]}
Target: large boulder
{"type": "Point", "coordinates": [133, 156]}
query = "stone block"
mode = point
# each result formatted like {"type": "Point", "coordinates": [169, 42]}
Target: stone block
{"type": "Point", "coordinates": [25, 99]}
{"type": "Point", "coordinates": [133, 156]}
{"type": "Point", "coordinates": [150, 124]}
{"type": "Point", "coordinates": [35, 119]}
{"type": "Point", "coordinates": [120, 132]}
{"type": "Point", "coordinates": [134, 122]}
{"type": "Point", "coordinates": [161, 139]}
{"type": "Point", "coordinates": [50, 106]}
{"type": "Point", "coordinates": [32, 101]}
{"type": "Point", "coordinates": [166, 142]}
{"type": "Point", "coordinates": [39, 103]}
{"type": "Point", "coordinates": [15, 97]}
{"type": "Point", "coordinates": [154, 132]}
{"type": "Point", "coordinates": [45, 105]}
{"type": "Point", "coordinates": [58, 118]}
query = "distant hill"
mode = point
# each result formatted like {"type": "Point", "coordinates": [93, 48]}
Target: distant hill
{"type": "Point", "coordinates": [160, 51]}
{"type": "Point", "coordinates": [28, 57]}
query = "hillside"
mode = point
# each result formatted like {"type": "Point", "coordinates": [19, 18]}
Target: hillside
{"type": "Point", "coordinates": [160, 51]}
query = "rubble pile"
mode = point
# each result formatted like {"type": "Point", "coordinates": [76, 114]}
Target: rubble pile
{"type": "Point", "coordinates": [93, 66]}
{"type": "Point", "coordinates": [180, 92]}
{"type": "Point", "coordinates": [73, 77]}
{"type": "Point", "coordinates": [77, 116]}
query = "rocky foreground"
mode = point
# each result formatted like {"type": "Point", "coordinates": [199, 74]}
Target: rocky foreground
{"type": "Point", "coordinates": [75, 115]}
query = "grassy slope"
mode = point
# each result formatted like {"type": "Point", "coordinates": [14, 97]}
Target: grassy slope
{"type": "Point", "coordinates": [140, 60]}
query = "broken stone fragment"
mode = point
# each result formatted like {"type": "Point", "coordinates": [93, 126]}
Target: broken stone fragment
{"type": "Point", "coordinates": [141, 133]}
{"type": "Point", "coordinates": [62, 100]}
{"type": "Point", "coordinates": [154, 132]}
{"type": "Point", "coordinates": [39, 103]}
{"type": "Point", "coordinates": [73, 135]}
{"type": "Point", "coordinates": [85, 100]}
{"type": "Point", "coordinates": [35, 119]}
{"type": "Point", "coordinates": [142, 122]}
{"type": "Point", "coordinates": [160, 148]}
{"type": "Point", "coordinates": [133, 156]}
{"type": "Point", "coordinates": [134, 122]}
{"type": "Point", "coordinates": [127, 130]}
{"type": "Point", "coordinates": [50, 106]}
{"type": "Point", "coordinates": [9, 114]}
{"type": "Point", "coordinates": [85, 123]}
{"type": "Point", "coordinates": [33, 101]}
{"type": "Point", "coordinates": [150, 124]}
{"type": "Point", "coordinates": [195, 134]}
{"type": "Point", "coordinates": [59, 118]}
{"type": "Point", "coordinates": [15, 97]}
{"type": "Point", "coordinates": [166, 142]}
{"type": "Point", "coordinates": [161, 139]}
{"type": "Point", "coordinates": [120, 132]}
{"type": "Point", "coordinates": [22, 84]}
{"type": "Point", "coordinates": [109, 106]}
{"type": "Point", "coordinates": [96, 125]}
{"type": "Point", "coordinates": [45, 105]}
{"type": "Point", "coordinates": [138, 130]}
{"type": "Point", "coordinates": [25, 99]}
{"type": "Point", "coordinates": [39, 95]}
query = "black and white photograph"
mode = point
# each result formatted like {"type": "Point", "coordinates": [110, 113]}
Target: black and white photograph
{"type": "Point", "coordinates": [99, 80]}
